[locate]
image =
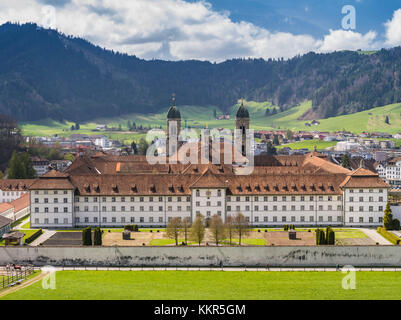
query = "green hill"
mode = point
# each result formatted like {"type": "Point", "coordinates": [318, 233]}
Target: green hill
{"type": "Point", "coordinates": [200, 117]}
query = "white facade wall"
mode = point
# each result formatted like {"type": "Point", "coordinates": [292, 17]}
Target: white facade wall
{"type": "Point", "coordinates": [8, 214]}
{"type": "Point", "coordinates": [209, 202]}
{"type": "Point", "coordinates": [8, 196]}
{"type": "Point", "coordinates": [288, 209]}
{"type": "Point", "coordinates": [364, 207]}
{"type": "Point", "coordinates": [51, 208]}
{"type": "Point", "coordinates": [122, 210]}
{"type": "Point", "coordinates": [356, 207]}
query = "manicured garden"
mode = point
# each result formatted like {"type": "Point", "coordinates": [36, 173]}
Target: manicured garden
{"type": "Point", "coordinates": [203, 285]}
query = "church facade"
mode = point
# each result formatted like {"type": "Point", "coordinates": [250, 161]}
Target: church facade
{"type": "Point", "coordinates": [113, 191]}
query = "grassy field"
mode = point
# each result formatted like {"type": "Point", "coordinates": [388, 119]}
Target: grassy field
{"type": "Point", "coordinates": [203, 285]}
{"type": "Point", "coordinates": [309, 144]}
{"type": "Point", "coordinates": [200, 117]}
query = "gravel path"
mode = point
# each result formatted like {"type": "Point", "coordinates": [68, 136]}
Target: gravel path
{"type": "Point", "coordinates": [376, 237]}
{"type": "Point", "coordinates": [45, 236]}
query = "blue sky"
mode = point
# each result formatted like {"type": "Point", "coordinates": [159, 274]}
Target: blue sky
{"type": "Point", "coordinates": [315, 17]}
{"type": "Point", "coordinates": [215, 30]}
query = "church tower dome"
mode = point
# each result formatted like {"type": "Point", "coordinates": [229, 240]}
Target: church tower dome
{"type": "Point", "coordinates": [242, 123]}
{"type": "Point", "coordinates": [173, 129]}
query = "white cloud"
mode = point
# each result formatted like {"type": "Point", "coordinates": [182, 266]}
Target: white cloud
{"type": "Point", "coordinates": [393, 29]}
{"type": "Point", "coordinates": [347, 40]}
{"type": "Point", "coordinates": [174, 29]}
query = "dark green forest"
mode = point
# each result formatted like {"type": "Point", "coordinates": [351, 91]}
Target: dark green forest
{"type": "Point", "coordinates": [45, 74]}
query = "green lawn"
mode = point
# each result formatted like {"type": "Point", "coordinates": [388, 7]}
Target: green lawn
{"type": "Point", "coordinates": [203, 285]}
{"type": "Point", "coordinates": [309, 144]}
{"type": "Point", "coordinates": [350, 234]}
{"type": "Point", "coordinates": [167, 242]}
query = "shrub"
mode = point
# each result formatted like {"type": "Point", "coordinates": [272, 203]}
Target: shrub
{"type": "Point", "coordinates": [97, 239]}
{"type": "Point", "coordinates": [34, 236]}
{"type": "Point", "coordinates": [396, 224]}
{"type": "Point", "coordinates": [131, 227]}
{"type": "Point", "coordinates": [389, 236]}
{"type": "Point", "coordinates": [320, 237]}
{"type": "Point", "coordinates": [331, 238]}
{"type": "Point", "coordinates": [87, 236]}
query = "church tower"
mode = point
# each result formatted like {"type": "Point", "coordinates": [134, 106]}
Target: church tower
{"type": "Point", "coordinates": [242, 124]}
{"type": "Point", "coordinates": [173, 129]}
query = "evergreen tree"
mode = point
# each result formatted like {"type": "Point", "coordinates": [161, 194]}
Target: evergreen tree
{"type": "Point", "coordinates": [276, 141]}
{"type": "Point", "coordinates": [346, 162]}
{"type": "Point", "coordinates": [142, 146]}
{"type": "Point", "coordinates": [87, 236]}
{"type": "Point", "coordinates": [97, 239]}
{"type": "Point", "coordinates": [77, 126]}
{"type": "Point", "coordinates": [270, 149]}
{"type": "Point", "coordinates": [20, 167]}
{"type": "Point", "coordinates": [387, 120]}
{"type": "Point", "coordinates": [134, 147]}
{"type": "Point", "coordinates": [267, 112]}
{"type": "Point", "coordinates": [388, 218]}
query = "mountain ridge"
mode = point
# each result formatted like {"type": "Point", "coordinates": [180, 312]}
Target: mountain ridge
{"type": "Point", "coordinates": [46, 74]}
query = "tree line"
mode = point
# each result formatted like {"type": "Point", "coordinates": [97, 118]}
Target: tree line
{"type": "Point", "coordinates": [236, 226]}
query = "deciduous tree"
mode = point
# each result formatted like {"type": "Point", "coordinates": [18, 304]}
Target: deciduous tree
{"type": "Point", "coordinates": [173, 229]}
{"type": "Point", "coordinates": [198, 229]}
{"type": "Point", "coordinates": [241, 226]}
{"type": "Point", "coordinates": [217, 229]}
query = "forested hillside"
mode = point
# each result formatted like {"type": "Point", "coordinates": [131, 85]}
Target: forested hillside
{"type": "Point", "coordinates": [44, 74]}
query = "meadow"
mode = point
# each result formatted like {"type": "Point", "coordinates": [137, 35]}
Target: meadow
{"type": "Point", "coordinates": [201, 117]}
{"type": "Point", "coordinates": [205, 285]}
